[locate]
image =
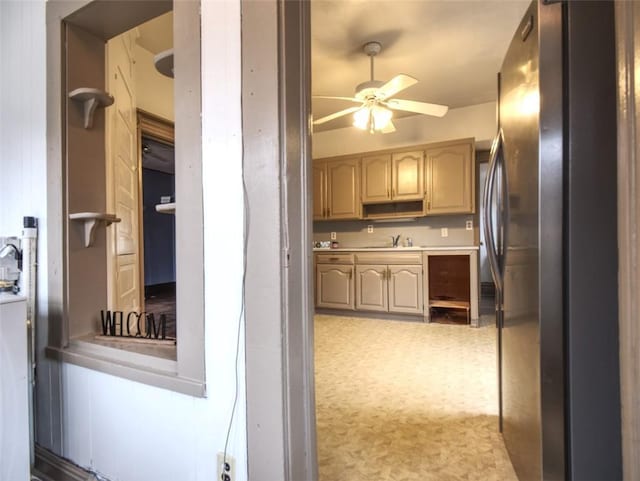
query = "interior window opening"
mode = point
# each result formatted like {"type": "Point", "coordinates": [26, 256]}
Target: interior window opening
{"type": "Point", "coordinates": [140, 163]}
{"type": "Point", "coordinates": [130, 251]}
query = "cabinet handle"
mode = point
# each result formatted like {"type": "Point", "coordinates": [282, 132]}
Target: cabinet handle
{"type": "Point", "coordinates": [350, 273]}
{"type": "Point", "coordinates": [393, 192]}
{"type": "Point", "coordinates": [388, 193]}
{"type": "Point", "coordinates": [388, 273]}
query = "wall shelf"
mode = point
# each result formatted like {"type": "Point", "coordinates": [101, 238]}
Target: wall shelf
{"type": "Point", "coordinates": [91, 99]}
{"type": "Point", "coordinates": [91, 221]}
{"type": "Point", "coordinates": [169, 208]}
{"type": "Point", "coordinates": [164, 63]}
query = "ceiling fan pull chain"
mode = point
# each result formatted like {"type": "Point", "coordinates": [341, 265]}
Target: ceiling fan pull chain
{"type": "Point", "coordinates": [371, 63]}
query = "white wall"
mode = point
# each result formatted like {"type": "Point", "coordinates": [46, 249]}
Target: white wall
{"type": "Point", "coordinates": [155, 94]}
{"type": "Point", "coordinates": [22, 115]}
{"type": "Point", "coordinates": [124, 430]}
{"type": "Point", "coordinates": [23, 155]}
{"type": "Point", "coordinates": [477, 121]}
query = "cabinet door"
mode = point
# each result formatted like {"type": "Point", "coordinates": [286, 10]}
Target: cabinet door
{"type": "Point", "coordinates": [343, 189]}
{"type": "Point", "coordinates": [371, 288]}
{"type": "Point", "coordinates": [408, 176]}
{"type": "Point", "coordinates": [319, 190]}
{"type": "Point", "coordinates": [376, 179]}
{"type": "Point", "coordinates": [405, 289]}
{"type": "Point", "coordinates": [450, 179]}
{"type": "Point", "coordinates": [334, 286]}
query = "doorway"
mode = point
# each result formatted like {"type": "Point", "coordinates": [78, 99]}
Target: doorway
{"type": "Point", "coordinates": [159, 238]}
{"type": "Point", "coordinates": [387, 389]}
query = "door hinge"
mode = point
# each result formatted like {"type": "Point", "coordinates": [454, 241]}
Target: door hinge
{"type": "Point", "coordinates": [286, 256]}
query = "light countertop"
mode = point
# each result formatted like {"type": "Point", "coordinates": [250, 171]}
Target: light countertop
{"type": "Point", "coordinates": [397, 249]}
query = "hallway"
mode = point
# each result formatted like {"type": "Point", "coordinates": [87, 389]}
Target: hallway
{"type": "Point", "coordinates": [406, 401]}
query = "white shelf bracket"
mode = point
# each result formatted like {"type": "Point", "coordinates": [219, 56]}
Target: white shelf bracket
{"type": "Point", "coordinates": [91, 100]}
{"type": "Point", "coordinates": [91, 220]}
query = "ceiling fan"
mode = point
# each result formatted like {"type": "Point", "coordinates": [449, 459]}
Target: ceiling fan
{"type": "Point", "coordinates": [376, 100]}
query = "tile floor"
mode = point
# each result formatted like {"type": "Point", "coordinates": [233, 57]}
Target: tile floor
{"type": "Point", "coordinates": [407, 401]}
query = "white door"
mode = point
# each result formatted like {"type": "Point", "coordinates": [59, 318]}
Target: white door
{"type": "Point", "coordinates": [123, 177]}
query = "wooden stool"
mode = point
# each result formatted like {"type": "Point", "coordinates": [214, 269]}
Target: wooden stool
{"type": "Point", "coordinates": [451, 305]}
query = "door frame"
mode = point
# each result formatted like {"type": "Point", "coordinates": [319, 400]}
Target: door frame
{"type": "Point", "coordinates": [276, 107]}
{"type": "Point", "coordinates": [627, 18]}
{"type": "Point", "coordinates": [162, 130]}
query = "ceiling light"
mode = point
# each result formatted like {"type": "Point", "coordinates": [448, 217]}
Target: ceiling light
{"type": "Point", "coordinates": [372, 118]}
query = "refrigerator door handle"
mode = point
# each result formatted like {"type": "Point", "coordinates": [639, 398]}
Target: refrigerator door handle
{"type": "Point", "coordinates": [488, 198]}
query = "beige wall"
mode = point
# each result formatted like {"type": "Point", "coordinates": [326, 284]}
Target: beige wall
{"type": "Point", "coordinates": [423, 231]}
{"type": "Point", "coordinates": [155, 91]}
{"type": "Point", "coordinates": [478, 121]}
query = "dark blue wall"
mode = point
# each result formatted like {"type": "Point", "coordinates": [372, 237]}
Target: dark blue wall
{"type": "Point", "coordinates": [159, 229]}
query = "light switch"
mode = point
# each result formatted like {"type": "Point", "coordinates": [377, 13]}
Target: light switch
{"type": "Point", "coordinates": [444, 232]}
{"type": "Point", "coordinates": [370, 229]}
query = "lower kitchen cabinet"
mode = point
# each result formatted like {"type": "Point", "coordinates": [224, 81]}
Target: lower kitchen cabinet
{"type": "Point", "coordinates": [335, 286]}
{"type": "Point", "coordinates": [372, 293]}
{"type": "Point", "coordinates": [405, 289]}
{"type": "Point", "coordinates": [389, 288]}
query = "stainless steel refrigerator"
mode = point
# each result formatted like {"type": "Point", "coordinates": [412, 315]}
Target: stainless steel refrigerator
{"type": "Point", "coordinates": [530, 201]}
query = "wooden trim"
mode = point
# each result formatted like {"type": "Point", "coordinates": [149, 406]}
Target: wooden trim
{"type": "Point", "coordinates": [627, 17]}
{"type": "Point", "coordinates": [162, 130]}
{"type": "Point", "coordinates": [157, 127]}
{"type": "Point", "coordinates": [50, 467]}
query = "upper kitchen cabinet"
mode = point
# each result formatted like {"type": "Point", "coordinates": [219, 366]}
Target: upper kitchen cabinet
{"type": "Point", "coordinates": [393, 177]}
{"type": "Point", "coordinates": [407, 176]}
{"type": "Point", "coordinates": [376, 178]}
{"type": "Point", "coordinates": [319, 190]}
{"type": "Point", "coordinates": [450, 177]}
{"type": "Point", "coordinates": [336, 189]}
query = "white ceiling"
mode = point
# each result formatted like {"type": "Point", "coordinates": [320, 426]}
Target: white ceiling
{"type": "Point", "coordinates": [454, 47]}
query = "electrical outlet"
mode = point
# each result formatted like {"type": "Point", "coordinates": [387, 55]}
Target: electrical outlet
{"type": "Point", "coordinates": [370, 229]}
{"type": "Point", "coordinates": [333, 236]}
{"type": "Point", "coordinates": [469, 225]}
{"type": "Point", "coordinates": [444, 232]}
{"type": "Point", "coordinates": [226, 471]}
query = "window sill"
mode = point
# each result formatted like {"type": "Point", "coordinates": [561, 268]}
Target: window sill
{"type": "Point", "coordinates": [144, 364]}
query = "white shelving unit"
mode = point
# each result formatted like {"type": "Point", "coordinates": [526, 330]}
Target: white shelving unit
{"type": "Point", "coordinates": [91, 99]}
{"type": "Point", "coordinates": [169, 208]}
{"type": "Point", "coordinates": [91, 221]}
{"type": "Point", "coordinates": [164, 63]}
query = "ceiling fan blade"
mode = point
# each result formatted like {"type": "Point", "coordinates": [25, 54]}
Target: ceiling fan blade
{"type": "Point", "coordinates": [395, 85]}
{"type": "Point", "coordinates": [417, 107]}
{"type": "Point", "coordinates": [336, 115]}
{"type": "Point", "coordinates": [350, 99]}
{"type": "Point", "coordinates": [389, 128]}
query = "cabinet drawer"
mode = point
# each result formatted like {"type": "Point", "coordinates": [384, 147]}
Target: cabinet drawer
{"type": "Point", "coordinates": [335, 258]}
{"type": "Point", "coordinates": [406, 258]}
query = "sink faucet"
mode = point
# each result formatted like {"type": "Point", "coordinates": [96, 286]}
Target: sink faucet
{"type": "Point", "coordinates": [395, 240]}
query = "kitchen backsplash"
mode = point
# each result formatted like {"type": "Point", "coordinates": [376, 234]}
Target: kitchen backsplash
{"type": "Point", "coordinates": [424, 231]}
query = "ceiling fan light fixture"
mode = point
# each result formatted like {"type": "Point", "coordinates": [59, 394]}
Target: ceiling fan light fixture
{"type": "Point", "coordinates": [361, 118]}
{"type": "Point", "coordinates": [372, 118]}
{"type": "Point", "coordinates": [381, 117]}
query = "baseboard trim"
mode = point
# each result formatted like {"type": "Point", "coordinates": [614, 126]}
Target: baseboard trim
{"type": "Point", "coordinates": [50, 467]}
